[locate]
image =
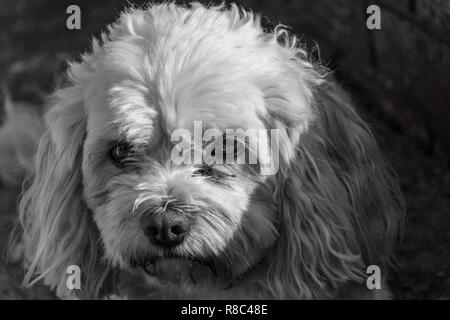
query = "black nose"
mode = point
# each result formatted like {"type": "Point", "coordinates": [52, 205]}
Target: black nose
{"type": "Point", "coordinates": [166, 229]}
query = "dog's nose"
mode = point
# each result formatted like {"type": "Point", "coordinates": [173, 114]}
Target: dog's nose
{"type": "Point", "coordinates": [166, 229]}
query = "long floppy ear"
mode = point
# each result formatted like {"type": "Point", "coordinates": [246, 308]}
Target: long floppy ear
{"type": "Point", "coordinates": [58, 228]}
{"type": "Point", "coordinates": [340, 207]}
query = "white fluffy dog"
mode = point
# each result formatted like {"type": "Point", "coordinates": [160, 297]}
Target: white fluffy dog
{"type": "Point", "coordinates": [106, 196]}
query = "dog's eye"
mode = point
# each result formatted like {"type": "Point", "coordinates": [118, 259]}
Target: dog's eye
{"type": "Point", "coordinates": [122, 153]}
{"type": "Point", "coordinates": [205, 170]}
{"type": "Point", "coordinates": [212, 174]}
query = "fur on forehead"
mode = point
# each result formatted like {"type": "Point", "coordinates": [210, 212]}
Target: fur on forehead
{"type": "Point", "coordinates": [184, 64]}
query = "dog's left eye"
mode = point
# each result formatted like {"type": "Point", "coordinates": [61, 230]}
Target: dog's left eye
{"type": "Point", "coordinates": [122, 153]}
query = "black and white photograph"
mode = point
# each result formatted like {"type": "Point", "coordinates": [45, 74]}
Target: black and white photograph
{"type": "Point", "coordinates": [231, 151]}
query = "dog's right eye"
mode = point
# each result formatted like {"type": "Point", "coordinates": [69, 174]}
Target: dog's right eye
{"type": "Point", "coordinates": [121, 153]}
{"type": "Point", "coordinates": [205, 170]}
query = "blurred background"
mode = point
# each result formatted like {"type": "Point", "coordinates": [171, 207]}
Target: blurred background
{"type": "Point", "coordinates": [399, 77]}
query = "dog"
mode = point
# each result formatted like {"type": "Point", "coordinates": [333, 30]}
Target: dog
{"type": "Point", "coordinates": [105, 194]}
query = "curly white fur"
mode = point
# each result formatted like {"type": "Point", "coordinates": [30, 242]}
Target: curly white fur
{"type": "Point", "coordinates": [306, 232]}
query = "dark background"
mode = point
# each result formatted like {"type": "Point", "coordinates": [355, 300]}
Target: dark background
{"type": "Point", "coordinates": [398, 76]}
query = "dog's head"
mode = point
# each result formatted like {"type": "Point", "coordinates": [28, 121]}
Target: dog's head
{"type": "Point", "coordinates": [109, 191]}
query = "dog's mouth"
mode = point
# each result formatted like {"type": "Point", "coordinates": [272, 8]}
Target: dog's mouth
{"type": "Point", "coordinates": [176, 268]}
{"type": "Point", "coordinates": [150, 264]}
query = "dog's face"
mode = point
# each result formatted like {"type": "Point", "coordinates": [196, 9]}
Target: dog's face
{"type": "Point", "coordinates": [109, 191]}
{"type": "Point", "coordinates": [151, 211]}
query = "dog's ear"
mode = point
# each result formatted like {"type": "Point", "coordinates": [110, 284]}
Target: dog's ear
{"type": "Point", "coordinates": [340, 207]}
{"type": "Point", "coordinates": [58, 228]}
